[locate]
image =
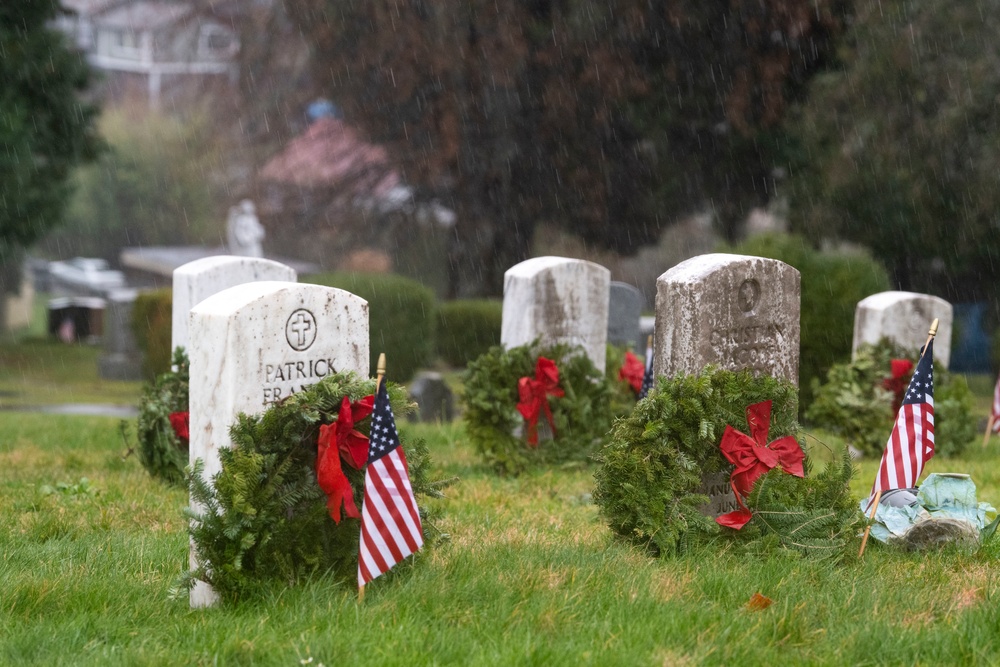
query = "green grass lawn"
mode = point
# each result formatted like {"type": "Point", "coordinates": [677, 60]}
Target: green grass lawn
{"type": "Point", "coordinates": [41, 371]}
{"type": "Point", "coordinates": [531, 575]}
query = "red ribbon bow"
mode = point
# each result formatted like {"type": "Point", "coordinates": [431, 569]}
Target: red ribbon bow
{"type": "Point", "coordinates": [632, 371]}
{"type": "Point", "coordinates": [534, 396]}
{"type": "Point", "coordinates": [901, 369]}
{"type": "Point", "coordinates": [755, 456]}
{"type": "Point", "coordinates": [342, 439]}
{"type": "Point", "coordinates": [181, 423]}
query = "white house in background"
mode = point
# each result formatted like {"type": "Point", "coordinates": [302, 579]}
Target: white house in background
{"type": "Point", "coordinates": [155, 44]}
{"type": "Point", "coordinates": [77, 19]}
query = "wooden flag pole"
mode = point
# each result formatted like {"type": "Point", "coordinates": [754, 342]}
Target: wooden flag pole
{"type": "Point", "coordinates": [871, 519]}
{"type": "Point", "coordinates": [989, 429]}
{"type": "Point", "coordinates": [878, 494]}
{"type": "Point", "coordinates": [379, 376]}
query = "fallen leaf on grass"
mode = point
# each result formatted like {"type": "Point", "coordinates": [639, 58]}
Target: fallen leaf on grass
{"type": "Point", "coordinates": [758, 602]}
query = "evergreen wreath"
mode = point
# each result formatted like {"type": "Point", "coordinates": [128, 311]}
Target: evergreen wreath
{"type": "Point", "coordinates": [581, 417]}
{"type": "Point", "coordinates": [264, 515]}
{"type": "Point", "coordinates": [856, 402]}
{"type": "Point", "coordinates": [161, 426]}
{"type": "Point", "coordinates": [653, 465]}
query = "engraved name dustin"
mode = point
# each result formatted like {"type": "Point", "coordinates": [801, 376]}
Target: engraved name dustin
{"type": "Point", "coordinates": [759, 333]}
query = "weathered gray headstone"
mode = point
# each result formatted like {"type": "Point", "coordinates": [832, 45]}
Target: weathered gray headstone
{"type": "Point", "coordinates": [434, 398]}
{"type": "Point", "coordinates": [624, 310]}
{"type": "Point", "coordinates": [557, 300]}
{"type": "Point", "coordinates": [733, 311]}
{"type": "Point", "coordinates": [252, 345]}
{"type": "Point", "coordinates": [904, 318]}
{"type": "Point", "coordinates": [122, 359]}
{"type": "Point", "coordinates": [197, 280]}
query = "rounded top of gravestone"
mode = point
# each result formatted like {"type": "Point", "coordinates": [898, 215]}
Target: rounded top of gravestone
{"type": "Point", "coordinates": [696, 268]}
{"type": "Point", "coordinates": [535, 265]}
{"type": "Point", "coordinates": [236, 298]}
{"type": "Point", "coordinates": [891, 298]}
{"type": "Point", "coordinates": [215, 262]}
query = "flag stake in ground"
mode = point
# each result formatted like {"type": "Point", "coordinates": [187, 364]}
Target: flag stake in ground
{"type": "Point", "coordinates": [994, 420]}
{"type": "Point", "coordinates": [916, 417]}
{"type": "Point", "coordinates": [390, 520]}
{"type": "Point", "coordinates": [379, 375]}
{"type": "Point", "coordinates": [647, 373]}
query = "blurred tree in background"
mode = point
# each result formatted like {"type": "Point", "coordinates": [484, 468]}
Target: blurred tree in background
{"type": "Point", "coordinates": [608, 119]}
{"type": "Point", "coordinates": [45, 129]}
{"type": "Point", "coordinates": [159, 183]}
{"type": "Point", "coordinates": [899, 149]}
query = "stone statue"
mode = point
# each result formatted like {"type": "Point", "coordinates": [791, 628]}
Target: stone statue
{"type": "Point", "coordinates": [244, 232]}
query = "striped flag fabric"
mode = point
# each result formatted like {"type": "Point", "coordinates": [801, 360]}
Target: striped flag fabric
{"type": "Point", "coordinates": [390, 522]}
{"type": "Point", "coordinates": [911, 443]}
{"type": "Point", "coordinates": [647, 376]}
{"type": "Point", "coordinates": [995, 411]}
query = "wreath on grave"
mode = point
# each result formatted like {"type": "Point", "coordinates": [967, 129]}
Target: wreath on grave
{"type": "Point", "coordinates": [162, 425]}
{"type": "Point", "coordinates": [860, 398]}
{"type": "Point", "coordinates": [535, 405]}
{"type": "Point", "coordinates": [274, 511]}
{"type": "Point", "coordinates": [649, 484]}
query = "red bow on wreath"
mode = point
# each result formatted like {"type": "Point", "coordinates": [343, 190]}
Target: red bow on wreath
{"type": "Point", "coordinates": [342, 439]}
{"type": "Point", "coordinates": [534, 395]}
{"type": "Point", "coordinates": [632, 371]}
{"type": "Point", "coordinates": [755, 456]}
{"type": "Point", "coordinates": [181, 423]}
{"type": "Point", "coordinates": [901, 369]}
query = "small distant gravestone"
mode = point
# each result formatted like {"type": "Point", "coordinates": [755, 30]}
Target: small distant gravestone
{"type": "Point", "coordinates": [122, 359]}
{"type": "Point", "coordinates": [624, 310]}
{"type": "Point", "coordinates": [735, 312]}
{"type": "Point", "coordinates": [200, 279]}
{"type": "Point", "coordinates": [904, 318]}
{"type": "Point", "coordinates": [557, 300]}
{"type": "Point", "coordinates": [252, 345]}
{"type": "Point", "coordinates": [434, 398]}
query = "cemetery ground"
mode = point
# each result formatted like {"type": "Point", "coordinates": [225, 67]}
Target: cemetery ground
{"type": "Point", "coordinates": [91, 549]}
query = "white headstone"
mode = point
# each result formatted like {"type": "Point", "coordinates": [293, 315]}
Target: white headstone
{"type": "Point", "coordinates": [733, 311]}
{"type": "Point", "coordinates": [904, 318]}
{"type": "Point", "coordinates": [196, 281]}
{"type": "Point", "coordinates": [254, 344]}
{"type": "Point", "coordinates": [557, 300]}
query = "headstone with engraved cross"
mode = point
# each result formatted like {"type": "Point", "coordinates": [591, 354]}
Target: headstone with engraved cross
{"type": "Point", "coordinates": [735, 312]}
{"type": "Point", "coordinates": [253, 345]}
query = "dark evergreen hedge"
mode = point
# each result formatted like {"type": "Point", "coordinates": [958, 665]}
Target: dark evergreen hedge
{"type": "Point", "coordinates": [152, 317]}
{"type": "Point", "coordinates": [401, 318]}
{"type": "Point", "coordinates": [467, 328]}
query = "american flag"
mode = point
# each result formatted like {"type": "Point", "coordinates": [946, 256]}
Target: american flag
{"type": "Point", "coordinates": [911, 443]}
{"type": "Point", "coordinates": [390, 522]}
{"type": "Point", "coordinates": [647, 377]}
{"type": "Point", "coordinates": [995, 412]}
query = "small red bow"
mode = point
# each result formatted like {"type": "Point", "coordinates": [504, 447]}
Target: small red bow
{"type": "Point", "coordinates": [632, 371]}
{"type": "Point", "coordinates": [181, 423]}
{"type": "Point", "coordinates": [534, 396]}
{"type": "Point", "coordinates": [342, 439]}
{"type": "Point", "coordinates": [901, 369]}
{"type": "Point", "coordinates": [755, 456]}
